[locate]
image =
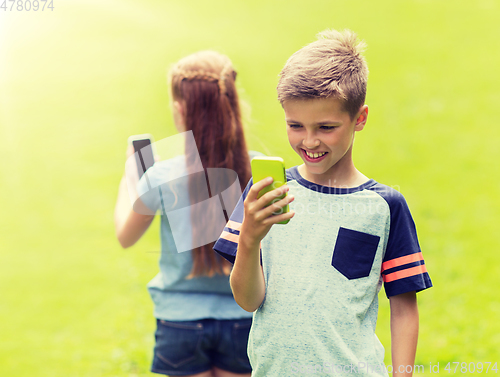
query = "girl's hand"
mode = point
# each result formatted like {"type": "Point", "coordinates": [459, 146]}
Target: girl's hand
{"type": "Point", "coordinates": [130, 150]}
{"type": "Point", "coordinates": [258, 218]}
{"type": "Point", "coordinates": [131, 175]}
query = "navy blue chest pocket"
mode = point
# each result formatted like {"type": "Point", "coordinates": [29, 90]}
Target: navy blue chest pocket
{"type": "Point", "coordinates": [354, 253]}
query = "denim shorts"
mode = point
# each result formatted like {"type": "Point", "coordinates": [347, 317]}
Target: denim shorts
{"type": "Point", "coordinates": [190, 347]}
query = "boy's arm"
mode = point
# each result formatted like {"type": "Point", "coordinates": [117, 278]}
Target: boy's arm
{"type": "Point", "coordinates": [247, 277]}
{"type": "Point", "coordinates": [404, 332]}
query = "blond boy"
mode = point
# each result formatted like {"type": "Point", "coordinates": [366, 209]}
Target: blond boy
{"type": "Point", "coordinates": [313, 284]}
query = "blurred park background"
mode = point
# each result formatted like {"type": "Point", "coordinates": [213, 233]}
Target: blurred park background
{"type": "Point", "coordinates": [77, 80]}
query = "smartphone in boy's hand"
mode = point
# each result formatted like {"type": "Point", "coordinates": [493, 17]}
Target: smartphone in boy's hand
{"type": "Point", "coordinates": [263, 167]}
{"type": "Point", "coordinates": [143, 149]}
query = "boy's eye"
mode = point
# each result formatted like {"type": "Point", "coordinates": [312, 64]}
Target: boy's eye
{"type": "Point", "coordinates": [293, 125]}
{"type": "Point", "coordinates": [327, 128]}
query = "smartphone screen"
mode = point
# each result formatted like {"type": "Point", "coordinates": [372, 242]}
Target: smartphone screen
{"type": "Point", "coordinates": [144, 156]}
{"type": "Point", "coordinates": [274, 167]}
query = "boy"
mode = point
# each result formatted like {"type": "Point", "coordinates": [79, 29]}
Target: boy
{"type": "Point", "coordinates": [313, 283]}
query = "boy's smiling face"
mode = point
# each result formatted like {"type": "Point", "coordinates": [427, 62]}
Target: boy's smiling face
{"type": "Point", "coordinates": [322, 133]}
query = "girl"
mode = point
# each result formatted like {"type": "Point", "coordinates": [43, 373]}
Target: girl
{"type": "Point", "coordinates": [201, 331]}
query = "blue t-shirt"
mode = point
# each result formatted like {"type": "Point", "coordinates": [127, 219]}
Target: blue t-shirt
{"type": "Point", "coordinates": [164, 188]}
{"type": "Point", "coordinates": [323, 271]}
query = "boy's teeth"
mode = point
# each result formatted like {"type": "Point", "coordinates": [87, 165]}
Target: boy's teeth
{"type": "Point", "coordinates": [315, 155]}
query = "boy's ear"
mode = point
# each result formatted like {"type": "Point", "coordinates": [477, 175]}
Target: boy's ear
{"type": "Point", "coordinates": [361, 118]}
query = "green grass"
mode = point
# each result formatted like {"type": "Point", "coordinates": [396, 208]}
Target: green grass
{"type": "Point", "coordinates": [76, 82]}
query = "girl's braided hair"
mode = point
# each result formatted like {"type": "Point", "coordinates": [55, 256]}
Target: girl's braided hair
{"type": "Point", "coordinates": [204, 83]}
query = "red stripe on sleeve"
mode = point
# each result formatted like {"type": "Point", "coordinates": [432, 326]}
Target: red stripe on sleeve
{"type": "Point", "coordinates": [402, 260]}
{"type": "Point", "coordinates": [233, 225]}
{"type": "Point", "coordinates": [230, 236]}
{"type": "Point", "coordinates": [412, 271]}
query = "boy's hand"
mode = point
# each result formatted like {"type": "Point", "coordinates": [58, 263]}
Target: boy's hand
{"type": "Point", "coordinates": [258, 218]}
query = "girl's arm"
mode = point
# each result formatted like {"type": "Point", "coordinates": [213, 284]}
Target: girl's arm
{"type": "Point", "coordinates": [129, 224]}
{"type": "Point", "coordinates": [404, 332]}
{"type": "Point", "coordinates": [247, 277]}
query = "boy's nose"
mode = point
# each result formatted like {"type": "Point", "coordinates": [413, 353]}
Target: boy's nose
{"type": "Point", "coordinates": [311, 142]}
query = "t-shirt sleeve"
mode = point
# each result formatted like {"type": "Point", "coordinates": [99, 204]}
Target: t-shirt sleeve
{"type": "Point", "coordinates": [227, 244]}
{"type": "Point", "coordinates": [403, 266]}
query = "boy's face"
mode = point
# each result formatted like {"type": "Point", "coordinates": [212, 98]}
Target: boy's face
{"type": "Point", "coordinates": [322, 133]}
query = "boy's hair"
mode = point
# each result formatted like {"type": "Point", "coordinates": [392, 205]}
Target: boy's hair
{"type": "Point", "coordinates": [205, 84]}
{"type": "Point", "coordinates": [331, 67]}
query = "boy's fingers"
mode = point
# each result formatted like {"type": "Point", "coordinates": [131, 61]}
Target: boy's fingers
{"type": "Point", "coordinates": [256, 187]}
{"type": "Point", "coordinates": [271, 220]}
{"type": "Point", "coordinates": [277, 207]}
{"type": "Point", "coordinates": [273, 195]}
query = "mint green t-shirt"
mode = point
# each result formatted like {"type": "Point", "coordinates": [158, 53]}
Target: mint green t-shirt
{"type": "Point", "coordinates": [323, 272]}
